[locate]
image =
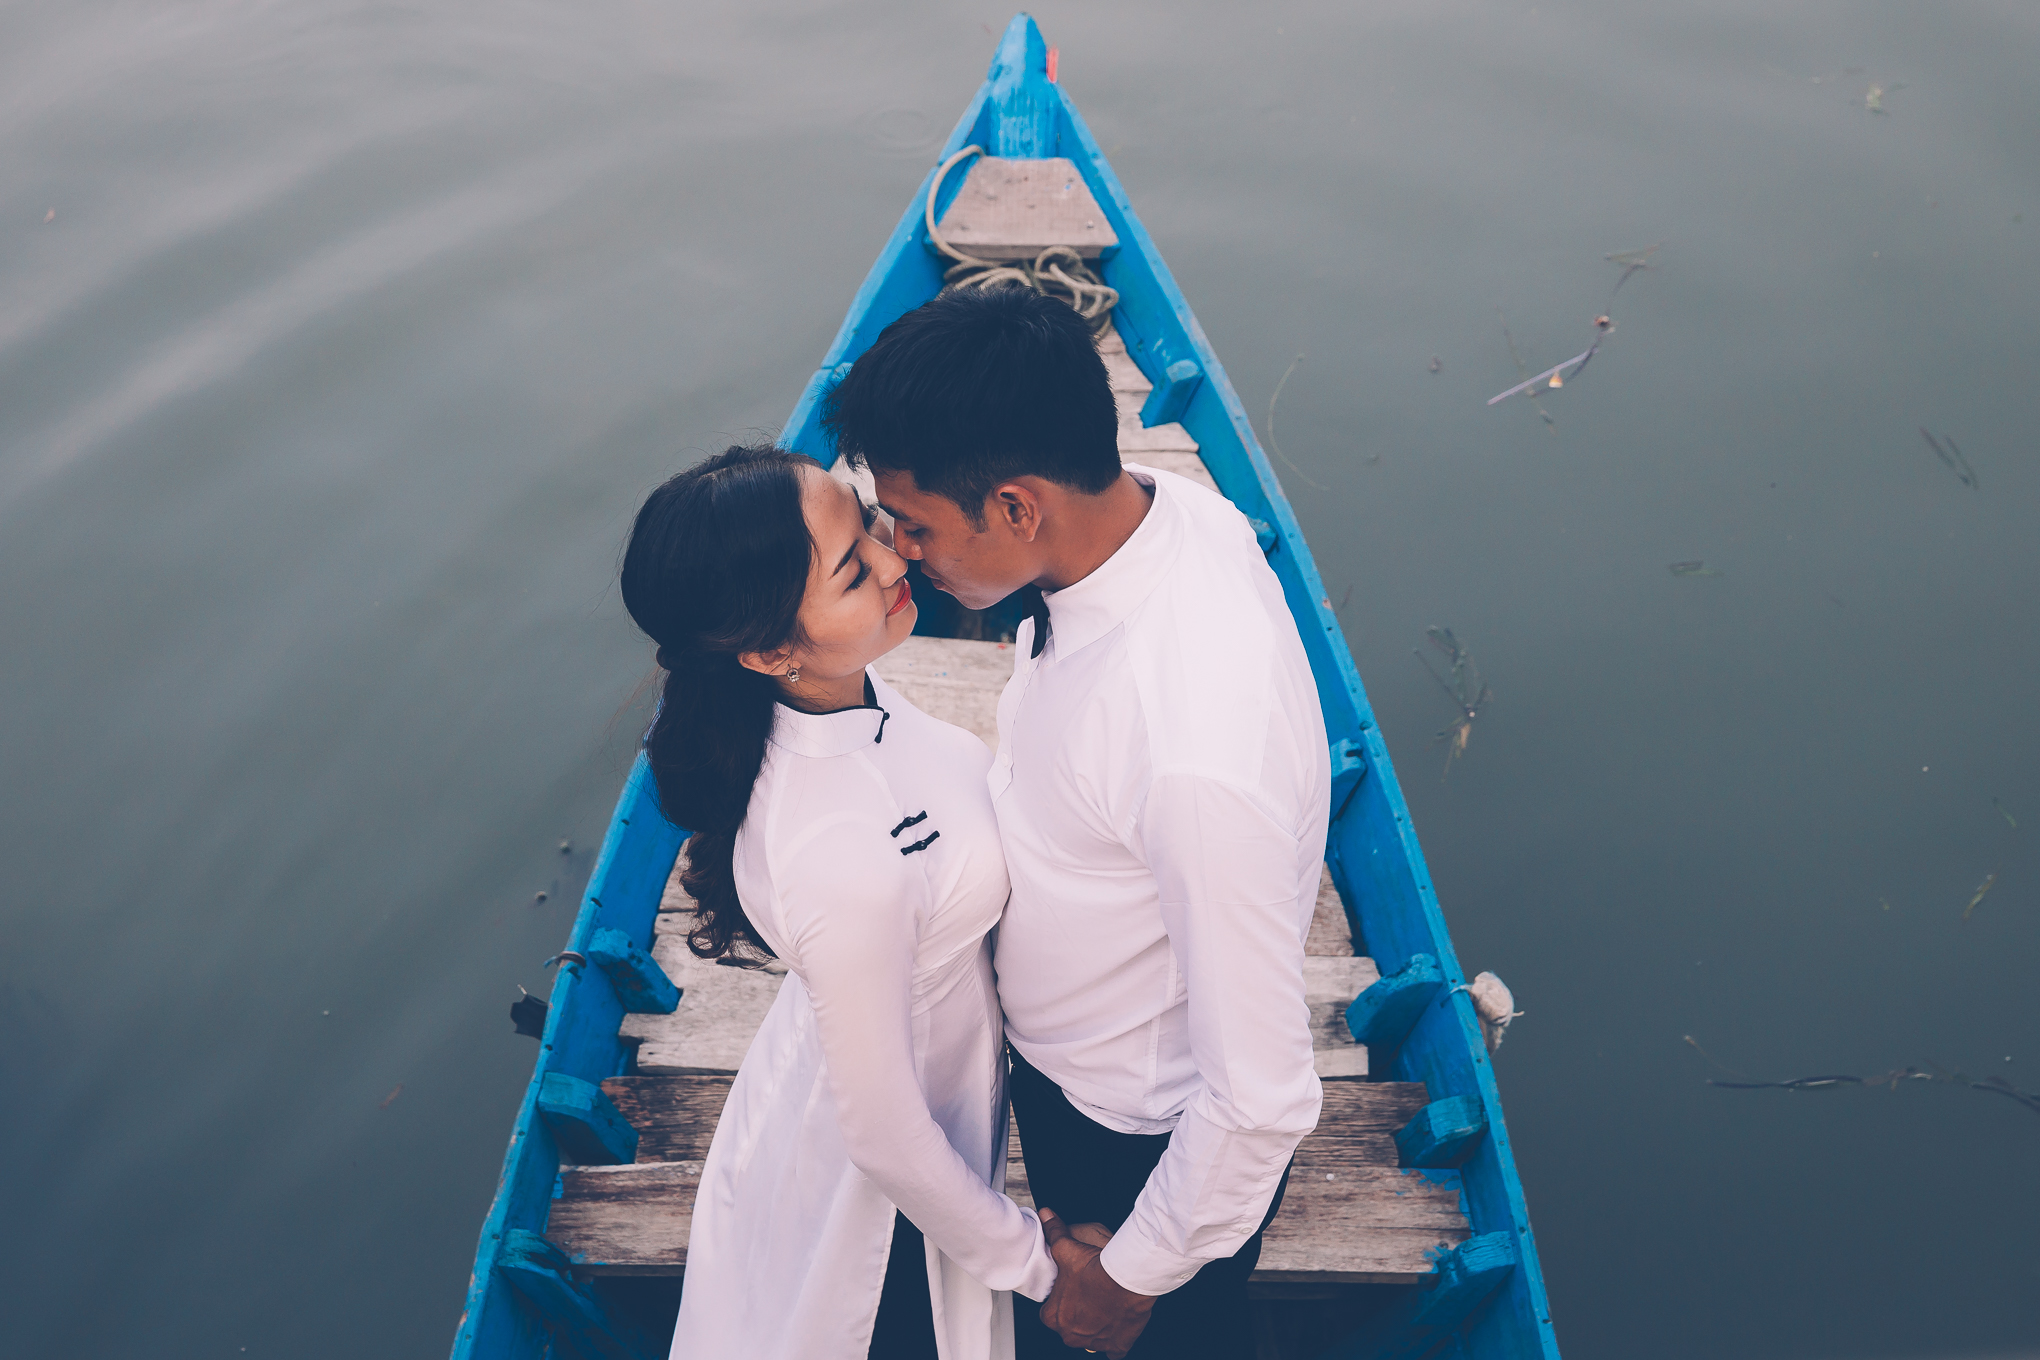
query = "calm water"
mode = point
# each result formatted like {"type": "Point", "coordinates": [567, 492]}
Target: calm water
{"type": "Point", "coordinates": [327, 393]}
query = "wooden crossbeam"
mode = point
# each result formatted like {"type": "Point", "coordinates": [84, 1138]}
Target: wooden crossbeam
{"type": "Point", "coordinates": [1349, 1216]}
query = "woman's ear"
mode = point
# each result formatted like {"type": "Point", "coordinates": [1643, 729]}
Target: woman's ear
{"type": "Point", "coordinates": [773, 663]}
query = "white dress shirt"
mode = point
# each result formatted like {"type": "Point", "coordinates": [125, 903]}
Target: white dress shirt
{"type": "Point", "coordinates": [869, 860]}
{"type": "Point", "coordinates": [1162, 789]}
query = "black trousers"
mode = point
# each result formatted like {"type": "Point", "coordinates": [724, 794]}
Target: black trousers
{"type": "Point", "coordinates": [905, 1329]}
{"type": "Point", "coordinates": [1089, 1174]}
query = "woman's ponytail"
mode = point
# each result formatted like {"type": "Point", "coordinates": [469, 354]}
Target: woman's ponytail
{"type": "Point", "coordinates": [716, 566]}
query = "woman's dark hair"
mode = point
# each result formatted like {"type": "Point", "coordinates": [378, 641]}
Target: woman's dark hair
{"type": "Point", "coordinates": [717, 565]}
{"type": "Point", "coordinates": [975, 388]}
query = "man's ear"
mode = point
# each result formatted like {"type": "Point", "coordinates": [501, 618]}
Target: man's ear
{"type": "Point", "coordinates": [1017, 507]}
{"type": "Point", "coordinates": [766, 663]}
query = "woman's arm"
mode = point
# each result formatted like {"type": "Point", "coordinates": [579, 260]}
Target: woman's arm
{"type": "Point", "coordinates": [851, 906]}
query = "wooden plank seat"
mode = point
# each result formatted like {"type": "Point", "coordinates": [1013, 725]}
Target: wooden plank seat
{"type": "Point", "coordinates": [1349, 1216]}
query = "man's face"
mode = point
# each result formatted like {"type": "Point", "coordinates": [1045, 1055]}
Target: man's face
{"type": "Point", "coordinates": [979, 566]}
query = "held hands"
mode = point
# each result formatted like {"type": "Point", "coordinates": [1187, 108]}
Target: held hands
{"type": "Point", "coordinates": [1087, 1308]}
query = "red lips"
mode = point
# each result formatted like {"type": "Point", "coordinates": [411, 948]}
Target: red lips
{"type": "Point", "coordinates": [906, 598]}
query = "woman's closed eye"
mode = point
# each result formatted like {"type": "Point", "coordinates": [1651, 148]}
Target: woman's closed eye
{"type": "Point", "coordinates": [863, 574]}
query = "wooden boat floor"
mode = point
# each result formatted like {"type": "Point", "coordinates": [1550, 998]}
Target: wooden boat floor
{"type": "Point", "coordinates": [1350, 1214]}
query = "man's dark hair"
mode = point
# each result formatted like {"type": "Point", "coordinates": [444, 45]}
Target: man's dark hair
{"type": "Point", "coordinates": [975, 388]}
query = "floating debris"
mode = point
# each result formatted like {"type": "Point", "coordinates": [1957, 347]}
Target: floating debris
{"type": "Point", "coordinates": [1436, 363]}
{"type": "Point", "coordinates": [1692, 569]}
{"type": "Point", "coordinates": [1955, 463]}
{"type": "Point", "coordinates": [2009, 819]}
{"type": "Point", "coordinates": [527, 1013]}
{"type": "Point", "coordinates": [538, 898]}
{"type": "Point", "coordinates": [1982, 891]}
{"type": "Point", "coordinates": [1551, 377]}
{"type": "Point", "coordinates": [399, 1090]}
{"type": "Point", "coordinates": [1277, 396]}
{"type": "Point", "coordinates": [566, 847]}
{"type": "Point", "coordinates": [1886, 901]}
{"type": "Point", "coordinates": [1632, 262]}
{"type": "Point", "coordinates": [1873, 98]}
{"type": "Point", "coordinates": [49, 216]}
{"type": "Point", "coordinates": [1521, 369]}
{"type": "Point", "coordinates": [1467, 691]}
{"type": "Point", "coordinates": [1888, 1080]}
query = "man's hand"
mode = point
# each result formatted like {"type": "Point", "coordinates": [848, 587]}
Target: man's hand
{"type": "Point", "coordinates": [1087, 1307]}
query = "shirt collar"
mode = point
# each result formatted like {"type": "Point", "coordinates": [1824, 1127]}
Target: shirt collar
{"type": "Point", "coordinates": [1082, 613]}
{"type": "Point", "coordinates": [836, 733]}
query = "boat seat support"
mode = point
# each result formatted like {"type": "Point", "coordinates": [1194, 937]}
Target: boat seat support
{"type": "Point", "coordinates": [570, 1309]}
{"type": "Point", "coordinates": [1171, 396]}
{"type": "Point", "coordinates": [641, 985]}
{"type": "Point", "coordinates": [1382, 1016]}
{"type": "Point", "coordinates": [1419, 1323]}
{"type": "Point", "coordinates": [589, 1129]}
{"type": "Point", "coordinates": [1444, 1133]}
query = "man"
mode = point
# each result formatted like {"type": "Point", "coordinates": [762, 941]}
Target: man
{"type": "Point", "coordinates": [1162, 789]}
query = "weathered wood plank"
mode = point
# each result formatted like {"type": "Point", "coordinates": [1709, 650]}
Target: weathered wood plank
{"type": "Point", "coordinates": [956, 680]}
{"type": "Point", "coordinates": [720, 1007]}
{"type": "Point", "coordinates": [675, 1116]}
{"type": "Point", "coordinates": [1329, 931]}
{"type": "Point", "coordinates": [1330, 984]}
{"type": "Point", "coordinates": [1349, 1215]}
{"type": "Point", "coordinates": [625, 1220]}
{"type": "Point", "coordinates": [1015, 209]}
{"type": "Point", "coordinates": [1361, 1225]}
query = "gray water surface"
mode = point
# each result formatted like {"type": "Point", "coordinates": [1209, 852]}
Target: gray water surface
{"type": "Point", "coordinates": [358, 330]}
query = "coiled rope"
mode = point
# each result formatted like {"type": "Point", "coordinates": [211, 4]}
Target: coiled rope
{"type": "Point", "coordinates": [1058, 272]}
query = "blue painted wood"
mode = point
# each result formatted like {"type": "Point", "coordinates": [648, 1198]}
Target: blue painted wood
{"type": "Point", "coordinates": [1383, 1015]}
{"type": "Point", "coordinates": [569, 1310]}
{"type": "Point", "coordinates": [1443, 1133]}
{"type": "Point", "coordinates": [641, 985]}
{"type": "Point", "coordinates": [1166, 403]}
{"type": "Point", "coordinates": [1430, 1316]}
{"type": "Point", "coordinates": [586, 1127]}
{"type": "Point", "coordinates": [1372, 851]}
{"type": "Point", "coordinates": [1349, 767]}
{"type": "Point", "coordinates": [580, 1039]}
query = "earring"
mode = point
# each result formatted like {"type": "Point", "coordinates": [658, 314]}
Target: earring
{"type": "Point", "coordinates": [793, 675]}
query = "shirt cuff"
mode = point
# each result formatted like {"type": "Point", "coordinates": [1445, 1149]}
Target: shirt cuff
{"type": "Point", "coordinates": [1144, 1266]}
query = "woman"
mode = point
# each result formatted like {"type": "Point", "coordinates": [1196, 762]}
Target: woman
{"type": "Point", "coordinates": [850, 1203]}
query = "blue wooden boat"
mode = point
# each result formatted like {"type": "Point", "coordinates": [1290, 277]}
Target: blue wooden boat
{"type": "Point", "coordinates": [1478, 1292]}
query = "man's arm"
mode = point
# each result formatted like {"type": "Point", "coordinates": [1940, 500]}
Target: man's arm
{"type": "Point", "coordinates": [1228, 874]}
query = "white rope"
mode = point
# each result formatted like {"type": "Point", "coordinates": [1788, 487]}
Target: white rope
{"type": "Point", "coordinates": [1058, 272]}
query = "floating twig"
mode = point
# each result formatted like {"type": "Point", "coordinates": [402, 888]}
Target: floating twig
{"type": "Point", "coordinates": [1272, 442]}
{"type": "Point", "coordinates": [1467, 691]}
{"type": "Point", "coordinates": [2009, 819]}
{"type": "Point", "coordinates": [1694, 568]}
{"type": "Point", "coordinates": [1632, 262]}
{"type": "Point", "coordinates": [1552, 377]}
{"type": "Point", "coordinates": [1982, 890]}
{"type": "Point", "coordinates": [1890, 1081]}
{"type": "Point", "coordinates": [1955, 463]}
{"type": "Point", "coordinates": [1521, 369]}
